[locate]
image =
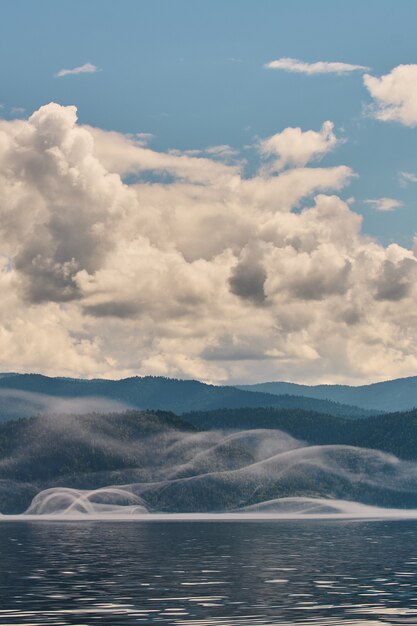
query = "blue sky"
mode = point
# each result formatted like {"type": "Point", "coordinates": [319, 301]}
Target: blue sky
{"type": "Point", "coordinates": [192, 74]}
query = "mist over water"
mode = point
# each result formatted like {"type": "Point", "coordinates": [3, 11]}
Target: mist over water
{"type": "Point", "coordinates": [205, 528]}
{"type": "Point", "coordinates": [246, 474]}
{"type": "Point", "coordinates": [255, 474]}
{"type": "Point", "coordinates": [115, 504]}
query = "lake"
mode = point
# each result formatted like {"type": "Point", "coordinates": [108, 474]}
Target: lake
{"type": "Point", "coordinates": [208, 573]}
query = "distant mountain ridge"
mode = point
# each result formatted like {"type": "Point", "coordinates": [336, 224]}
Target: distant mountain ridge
{"type": "Point", "coordinates": [24, 395]}
{"type": "Point", "coordinates": [391, 395]}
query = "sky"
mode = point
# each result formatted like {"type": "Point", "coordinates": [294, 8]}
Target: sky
{"type": "Point", "coordinates": [214, 190]}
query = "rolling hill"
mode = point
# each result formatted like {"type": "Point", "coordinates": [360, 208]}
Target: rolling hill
{"type": "Point", "coordinates": [169, 465]}
{"type": "Point", "coordinates": [395, 433]}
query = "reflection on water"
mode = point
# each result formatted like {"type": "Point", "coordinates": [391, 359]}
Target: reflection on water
{"type": "Point", "coordinates": [208, 573]}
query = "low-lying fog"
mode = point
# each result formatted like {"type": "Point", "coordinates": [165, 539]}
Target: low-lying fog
{"type": "Point", "coordinates": [217, 475]}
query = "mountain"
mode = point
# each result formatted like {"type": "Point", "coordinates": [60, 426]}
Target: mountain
{"type": "Point", "coordinates": [45, 448]}
{"type": "Point", "coordinates": [391, 395]}
{"type": "Point", "coordinates": [162, 463]}
{"type": "Point", "coordinates": [29, 394]}
{"type": "Point", "coordinates": [395, 433]}
{"type": "Point", "coordinates": [94, 450]}
{"type": "Point", "coordinates": [49, 446]}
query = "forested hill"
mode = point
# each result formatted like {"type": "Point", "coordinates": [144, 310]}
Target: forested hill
{"type": "Point", "coordinates": [217, 460]}
{"type": "Point", "coordinates": [50, 446]}
{"type": "Point", "coordinates": [395, 433]}
{"type": "Point", "coordinates": [27, 394]}
{"type": "Point", "coordinates": [391, 395]}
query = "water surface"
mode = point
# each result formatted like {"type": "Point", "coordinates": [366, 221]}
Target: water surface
{"type": "Point", "coordinates": [208, 573]}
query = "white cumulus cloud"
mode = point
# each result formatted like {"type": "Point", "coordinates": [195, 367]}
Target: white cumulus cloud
{"type": "Point", "coordinates": [202, 272]}
{"type": "Point", "coordinates": [395, 95]}
{"type": "Point", "coordinates": [294, 147]}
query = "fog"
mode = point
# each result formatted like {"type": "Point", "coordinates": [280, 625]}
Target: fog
{"type": "Point", "coordinates": [114, 504]}
{"type": "Point", "coordinates": [16, 403]}
{"type": "Point", "coordinates": [173, 474]}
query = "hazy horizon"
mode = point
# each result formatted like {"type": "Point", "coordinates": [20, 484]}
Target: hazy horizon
{"type": "Point", "coordinates": [243, 383]}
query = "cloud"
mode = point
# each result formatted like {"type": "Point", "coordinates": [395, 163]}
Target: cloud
{"type": "Point", "coordinates": [125, 155]}
{"type": "Point", "coordinates": [384, 204]}
{"type": "Point", "coordinates": [408, 177]}
{"type": "Point", "coordinates": [395, 95]}
{"type": "Point", "coordinates": [224, 151]}
{"type": "Point", "coordinates": [117, 259]}
{"type": "Point", "coordinates": [143, 139]}
{"type": "Point", "coordinates": [321, 67]}
{"type": "Point", "coordinates": [17, 111]}
{"type": "Point", "coordinates": [395, 279]}
{"type": "Point", "coordinates": [247, 279]}
{"type": "Point", "coordinates": [294, 147]}
{"type": "Point", "coordinates": [87, 68]}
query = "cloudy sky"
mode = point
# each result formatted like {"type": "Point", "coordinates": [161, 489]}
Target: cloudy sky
{"type": "Point", "coordinates": [218, 190]}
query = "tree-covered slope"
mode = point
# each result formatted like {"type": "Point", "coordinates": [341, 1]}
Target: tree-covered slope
{"type": "Point", "coordinates": [395, 433]}
{"type": "Point", "coordinates": [28, 394]}
{"type": "Point", "coordinates": [220, 460]}
{"type": "Point", "coordinates": [50, 446]}
{"type": "Point", "coordinates": [390, 395]}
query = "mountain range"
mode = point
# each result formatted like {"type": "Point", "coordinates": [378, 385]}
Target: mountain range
{"type": "Point", "coordinates": [182, 445]}
{"type": "Point", "coordinates": [174, 465]}
{"type": "Point", "coordinates": [390, 395]}
{"type": "Point", "coordinates": [23, 395]}
{"type": "Point", "coordinates": [179, 396]}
